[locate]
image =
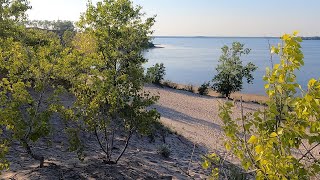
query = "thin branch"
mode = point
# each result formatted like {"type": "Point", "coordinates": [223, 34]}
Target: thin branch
{"type": "Point", "coordinates": [308, 152]}
{"type": "Point", "coordinates": [125, 147]}
{"type": "Point", "coordinates": [98, 139]}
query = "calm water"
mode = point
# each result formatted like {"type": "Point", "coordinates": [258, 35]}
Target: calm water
{"type": "Point", "coordinates": [193, 60]}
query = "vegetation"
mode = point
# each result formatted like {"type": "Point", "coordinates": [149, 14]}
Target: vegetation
{"type": "Point", "coordinates": [278, 142]}
{"type": "Point", "coordinates": [28, 91]}
{"type": "Point", "coordinates": [189, 88]}
{"type": "Point", "coordinates": [204, 89]}
{"type": "Point", "coordinates": [230, 71]}
{"type": "Point", "coordinates": [101, 65]}
{"type": "Point", "coordinates": [164, 150]}
{"type": "Point", "coordinates": [156, 73]}
{"type": "Point", "coordinates": [170, 84]}
{"type": "Point", "coordinates": [108, 80]}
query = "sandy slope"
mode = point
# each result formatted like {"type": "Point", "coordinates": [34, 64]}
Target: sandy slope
{"type": "Point", "coordinates": [195, 116]}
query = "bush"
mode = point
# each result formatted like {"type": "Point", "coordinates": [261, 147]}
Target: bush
{"type": "Point", "coordinates": [164, 150]}
{"type": "Point", "coordinates": [266, 141]}
{"type": "Point", "coordinates": [156, 73]}
{"type": "Point", "coordinates": [230, 71]}
{"type": "Point", "coordinates": [189, 88]}
{"type": "Point", "coordinates": [204, 89]}
{"type": "Point", "coordinates": [170, 84]}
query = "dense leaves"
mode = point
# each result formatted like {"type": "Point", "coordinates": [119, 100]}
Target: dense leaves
{"type": "Point", "coordinates": [230, 71]}
{"type": "Point", "coordinates": [156, 73]}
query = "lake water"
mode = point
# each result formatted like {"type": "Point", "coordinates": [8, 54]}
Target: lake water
{"type": "Point", "coordinates": [193, 60]}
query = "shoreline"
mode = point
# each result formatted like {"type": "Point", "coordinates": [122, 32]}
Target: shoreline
{"type": "Point", "coordinates": [253, 98]}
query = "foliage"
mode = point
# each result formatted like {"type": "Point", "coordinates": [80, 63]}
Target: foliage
{"type": "Point", "coordinates": [27, 73]}
{"type": "Point", "coordinates": [212, 161]}
{"type": "Point", "coordinates": [28, 87]}
{"type": "Point", "coordinates": [156, 73]}
{"type": "Point", "coordinates": [58, 25]}
{"type": "Point", "coordinates": [204, 89]}
{"type": "Point", "coordinates": [105, 69]}
{"type": "Point", "coordinates": [230, 71]}
{"type": "Point", "coordinates": [12, 16]}
{"type": "Point", "coordinates": [170, 84]}
{"type": "Point", "coordinates": [189, 88]}
{"type": "Point", "coordinates": [278, 142]}
{"type": "Point", "coordinates": [164, 150]}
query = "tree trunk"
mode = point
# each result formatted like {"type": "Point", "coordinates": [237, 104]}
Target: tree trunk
{"type": "Point", "coordinates": [125, 147]}
{"type": "Point", "coordinates": [34, 156]}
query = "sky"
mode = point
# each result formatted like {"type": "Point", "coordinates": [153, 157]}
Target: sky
{"type": "Point", "coordinates": [246, 18]}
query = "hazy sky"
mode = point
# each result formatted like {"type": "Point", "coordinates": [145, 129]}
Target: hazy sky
{"type": "Point", "coordinates": [207, 17]}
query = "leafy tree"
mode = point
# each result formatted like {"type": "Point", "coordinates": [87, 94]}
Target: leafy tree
{"type": "Point", "coordinates": [26, 79]}
{"type": "Point", "coordinates": [230, 71]}
{"type": "Point", "coordinates": [27, 60]}
{"type": "Point", "coordinates": [12, 16]}
{"type": "Point", "coordinates": [279, 142]}
{"type": "Point", "coordinates": [12, 13]}
{"type": "Point", "coordinates": [156, 73]}
{"type": "Point", "coordinates": [204, 88]}
{"type": "Point", "coordinates": [109, 78]}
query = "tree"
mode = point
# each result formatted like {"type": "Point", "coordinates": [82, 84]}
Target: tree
{"type": "Point", "coordinates": [109, 80]}
{"type": "Point", "coordinates": [27, 65]}
{"type": "Point", "coordinates": [156, 73]}
{"type": "Point", "coordinates": [230, 71]}
{"type": "Point", "coordinates": [27, 71]}
{"type": "Point", "coordinates": [279, 142]}
{"type": "Point", "coordinates": [12, 13]}
{"type": "Point", "coordinates": [12, 16]}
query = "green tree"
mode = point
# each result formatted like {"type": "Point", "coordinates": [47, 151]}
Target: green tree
{"type": "Point", "coordinates": [12, 14]}
{"type": "Point", "coordinates": [156, 73]}
{"type": "Point", "coordinates": [27, 73]}
{"type": "Point", "coordinates": [109, 78]}
{"type": "Point", "coordinates": [267, 141]}
{"type": "Point", "coordinates": [230, 71]}
{"type": "Point", "coordinates": [27, 59]}
{"type": "Point", "coordinates": [12, 17]}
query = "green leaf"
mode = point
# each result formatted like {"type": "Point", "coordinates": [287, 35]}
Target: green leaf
{"type": "Point", "coordinates": [253, 140]}
{"type": "Point", "coordinates": [312, 82]}
{"type": "Point", "coordinates": [258, 149]}
{"type": "Point", "coordinates": [272, 135]}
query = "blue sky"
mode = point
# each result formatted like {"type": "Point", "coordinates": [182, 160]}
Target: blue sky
{"type": "Point", "coordinates": [207, 17]}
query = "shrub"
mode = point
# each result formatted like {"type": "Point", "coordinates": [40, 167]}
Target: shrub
{"type": "Point", "coordinates": [230, 71]}
{"type": "Point", "coordinates": [156, 73]}
{"type": "Point", "coordinates": [189, 88]}
{"type": "Point", "coordinates": [266, 141]}
{"type": "Point", "coordinates": [204, 89]}
{"type": "Point", "coordinates": [164, 150]}
{"type": "Point", "coordinates": [170, 84]}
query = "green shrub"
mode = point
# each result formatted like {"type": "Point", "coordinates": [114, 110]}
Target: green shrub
{"type": "Point", "coordinates": [156, 73]}
{"type": "Point", "coordinates": [204, 88]}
